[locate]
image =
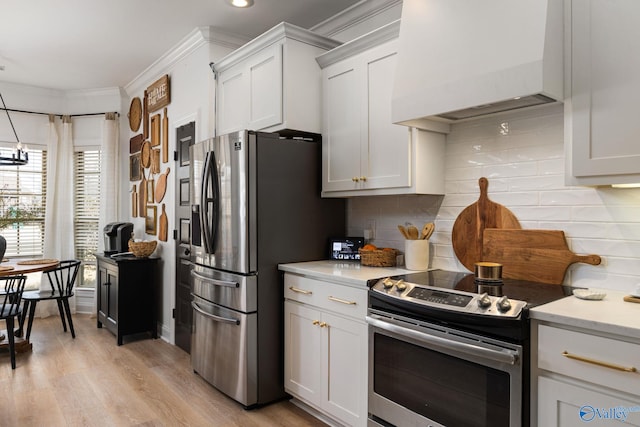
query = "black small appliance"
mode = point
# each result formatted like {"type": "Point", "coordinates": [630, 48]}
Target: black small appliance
{"type": "Point", "coordinates": [116, 237]}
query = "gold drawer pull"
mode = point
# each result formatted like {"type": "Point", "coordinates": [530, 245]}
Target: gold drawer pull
{"type": "Point", "coordinates": [315, 322]}
{"type": "Point", "coordinates": [343, 301]}
{"type": "Point", "coordinates": [324, 325]}
{"type": "Point", "coordinates": [300, 291]}
{"type": "Point", "coordinates": [599, 363]}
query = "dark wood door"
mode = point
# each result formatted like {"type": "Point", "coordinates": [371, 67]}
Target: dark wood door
{"type": "Point", "coordinates": [183, 314]}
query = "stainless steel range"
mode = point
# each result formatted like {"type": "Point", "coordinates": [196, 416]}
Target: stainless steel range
{"type": "Point", "coordinates": [448, 350]}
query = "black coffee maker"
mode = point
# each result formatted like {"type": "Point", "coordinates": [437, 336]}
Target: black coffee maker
{"type": "Point", "coordinates": [116, 237]}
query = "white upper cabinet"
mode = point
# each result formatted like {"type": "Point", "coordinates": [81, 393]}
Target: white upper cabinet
{"type": "Point", "coordinates": [272, 83]}
{"type": "Point", "coordinates": [602, 111]}
{"type": "Point", "coordinates": [363, 152]}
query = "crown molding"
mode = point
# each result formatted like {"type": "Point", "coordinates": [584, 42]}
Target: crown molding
{"type": "Point", "coordinates": [278, 32]}
{"type": "Point", "coordinates": [199, 37]}
{"type": "Point", "coordinates": [374, 38]}
{"type": "Point", "coordinates": [359, 12]}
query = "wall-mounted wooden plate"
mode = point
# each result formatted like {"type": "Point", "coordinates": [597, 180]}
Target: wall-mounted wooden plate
{"type": "Point", "coordinates": [145, 157]}
{"type": "Point", "coordinates": [135, 114]}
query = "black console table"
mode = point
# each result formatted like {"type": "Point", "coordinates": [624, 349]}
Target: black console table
{"type": "Point", "coordinates": [127, 295]}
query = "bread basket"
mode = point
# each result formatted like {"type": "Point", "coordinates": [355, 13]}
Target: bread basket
{"type": "Point", "coordinates": [378, 257]}
{"type": "Point", "coordinates": [142, 249]}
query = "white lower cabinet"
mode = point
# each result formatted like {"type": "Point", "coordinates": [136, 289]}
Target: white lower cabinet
{"type": "Point", "coordinates": [326, 348]}
{"type": "Point", "coordinates": [584, 377]}
{"type": "Point", "coordinates": [566, 404]}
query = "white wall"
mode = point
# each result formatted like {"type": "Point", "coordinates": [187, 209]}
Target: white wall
{"type": "Point", "coordinates": [192, 87]}
{"type": "Point", "coordinates": [526, 174]}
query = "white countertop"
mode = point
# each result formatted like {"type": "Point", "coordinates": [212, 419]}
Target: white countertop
{"type": "Point", "coordinates": [346, 272]}
{"type": "Point", "coordinates": [612, 315]}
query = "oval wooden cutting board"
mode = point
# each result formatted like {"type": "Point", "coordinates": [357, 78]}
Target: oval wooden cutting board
{"type": "Point", "coordinates": [161, 186]}
{"type": "Point", "coordinates": [468, 229]}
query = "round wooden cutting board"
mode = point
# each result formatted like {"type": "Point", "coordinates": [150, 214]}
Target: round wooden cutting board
{"type": "Point", "coordinates": [468, 229]}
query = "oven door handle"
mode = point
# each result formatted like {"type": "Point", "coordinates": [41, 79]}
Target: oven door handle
{"type": "Point", "coordinates": [503, 356]}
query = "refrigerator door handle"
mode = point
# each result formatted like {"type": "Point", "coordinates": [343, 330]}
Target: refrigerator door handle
{"type": "Point", "coordinates": [209, 201]}
{"type": "Point", "coordinates": [213, 316]}
{"type": "Point", "coordinates": [215, 281]}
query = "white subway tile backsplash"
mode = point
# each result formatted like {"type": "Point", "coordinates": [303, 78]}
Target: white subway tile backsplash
{"type": "Point", "coordinates": [606, 213]}
{"type": "Point", "coordinates": [526, 174]}
{"type": "Point", "coordinates": [509, 170]}
{"type": "Point", "coordinates": [536, 183]}
{"type": "Point", "coordinates": [541, 213]}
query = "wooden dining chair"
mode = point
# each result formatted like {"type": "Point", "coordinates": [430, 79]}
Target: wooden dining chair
{"type": "Point", "coordinates": [11, 291]}
{"type": "Point", "coordinates": [61, 279]}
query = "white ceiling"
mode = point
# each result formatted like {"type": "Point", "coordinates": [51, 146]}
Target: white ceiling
{"type": "Point", "coordinates": [90, 44]}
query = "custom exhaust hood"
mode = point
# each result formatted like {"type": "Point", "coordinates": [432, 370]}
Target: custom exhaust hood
{"type": "Point", "coordinates": [460, 59]}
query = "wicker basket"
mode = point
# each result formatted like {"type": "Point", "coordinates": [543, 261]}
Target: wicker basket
{"type": "Point", "coordinates": [142, 249]}
{"type": "Point", "coordinates": [378, 258]}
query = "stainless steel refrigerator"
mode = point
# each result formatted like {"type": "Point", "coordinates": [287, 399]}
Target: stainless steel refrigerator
{"type": "Point", "coordinates": [255, 203]}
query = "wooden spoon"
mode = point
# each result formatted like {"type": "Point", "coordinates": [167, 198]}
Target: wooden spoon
{"type": "Point", "coordinates": [427, 231]}
{"type": "Point", "coordinates": [413, 233]}
{"type": "Point", "coordinates": [403, 231]}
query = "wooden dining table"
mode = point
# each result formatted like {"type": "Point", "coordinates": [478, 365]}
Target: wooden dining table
{"type": "Point", "coordinates": [18, 267]}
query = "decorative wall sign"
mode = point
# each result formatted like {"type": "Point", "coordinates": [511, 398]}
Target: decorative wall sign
{"type": "Point", "coordinates": [158, 94]}
{"type": "Point", "coordinates": [150, 220]}
{"type": "Point", "coordinates": [135, 169]}
{"type": "Point", "coordinates": [135, 114]}
{"type": "Point", "coordinates": [156, 122]}
{"type": "Point", "coordinates": [135, 143]}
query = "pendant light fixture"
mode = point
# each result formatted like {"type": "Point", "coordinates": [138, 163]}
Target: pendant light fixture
{"type": "Point", "coordinates": [20, 157]}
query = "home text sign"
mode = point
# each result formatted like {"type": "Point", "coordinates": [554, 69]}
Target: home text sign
{"type": "Point", "coordinates": [159, 94]}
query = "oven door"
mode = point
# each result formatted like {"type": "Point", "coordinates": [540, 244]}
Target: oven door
{"type": "Point", "coordinates": [424, 374]}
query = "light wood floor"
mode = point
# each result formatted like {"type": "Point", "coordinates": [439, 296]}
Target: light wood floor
{"type": "Point", "coordinates": [90, 381]}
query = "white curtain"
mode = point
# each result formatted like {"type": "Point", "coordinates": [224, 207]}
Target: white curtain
{"type": "Point", "coordinates": [109, 174]}
{"type": "Point", "coordinates": [109, 180]}
{"type": "Point", "coordinates": [58, 222]}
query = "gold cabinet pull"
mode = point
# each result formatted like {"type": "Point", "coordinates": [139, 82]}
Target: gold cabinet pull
{"type": "Point", "coordinates": [315, 322]}
{"type": "Point", "coordinates": [599, 362]}
{"type": "Point", "coordinates": [363, 178]}
{"type": "Point", "coordinates": [343, 301]}
{"type": "Point", "coordinates": [300, 291]}
{"type": "Point", "coordinates": [323, 324]}
{"type": "Point", "coordinates": [355, 179]}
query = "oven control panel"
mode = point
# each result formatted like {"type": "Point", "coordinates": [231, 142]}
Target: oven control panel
{"type": "Point", "coordinates": [449, 299]}
{"type": "Point", "coordinates": [439, 297]}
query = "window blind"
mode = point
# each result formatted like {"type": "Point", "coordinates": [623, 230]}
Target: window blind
{"type": "Point", "coordinates": [22, 205]}
{"type": "Point", "coordinates": [86, 211]}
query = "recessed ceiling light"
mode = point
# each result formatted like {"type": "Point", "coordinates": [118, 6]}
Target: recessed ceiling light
{"type": "Point", "coordinates": [241, 3]}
